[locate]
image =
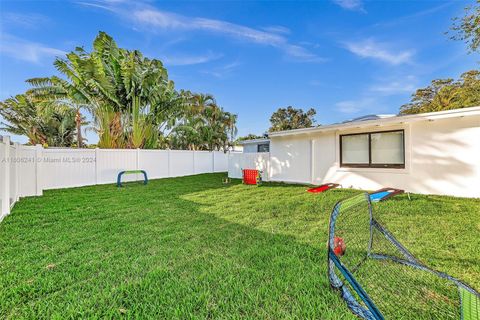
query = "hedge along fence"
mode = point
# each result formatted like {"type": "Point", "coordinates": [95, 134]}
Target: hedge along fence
{"type": "Point", "coordinates": [28, 170]}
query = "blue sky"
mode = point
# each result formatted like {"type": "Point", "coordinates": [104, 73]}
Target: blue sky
{"type": "Point", "coordinates": [345, 58]}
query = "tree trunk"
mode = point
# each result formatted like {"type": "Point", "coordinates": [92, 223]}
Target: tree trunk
{"type": "Point", "coordinates": [78, 121]}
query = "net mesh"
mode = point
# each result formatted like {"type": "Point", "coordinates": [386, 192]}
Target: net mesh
{"type": "Point", "coordinates": [397, 284]}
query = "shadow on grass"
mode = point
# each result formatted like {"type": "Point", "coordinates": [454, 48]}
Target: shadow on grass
{"type": "Point", "coordinates": [188, 247]}
{"type": "Point", "coordinates": [170, 249]}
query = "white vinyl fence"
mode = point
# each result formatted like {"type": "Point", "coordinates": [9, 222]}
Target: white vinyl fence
{"type": "Point", "coordinates": [28, 170]}
{"type": "Point", "coordinates": [238, 161]}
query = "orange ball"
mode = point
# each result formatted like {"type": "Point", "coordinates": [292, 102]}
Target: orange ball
{"type": "Point", "coordinates": [339, 246]}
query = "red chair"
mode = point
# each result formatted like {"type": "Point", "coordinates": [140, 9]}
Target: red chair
{"type": "Point", "coordinates": [252, 176]}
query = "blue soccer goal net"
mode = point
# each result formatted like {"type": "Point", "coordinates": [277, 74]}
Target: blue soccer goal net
{"type": "Point", "coordinates": [380, 279]}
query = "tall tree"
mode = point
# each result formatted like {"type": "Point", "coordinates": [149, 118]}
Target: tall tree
{"type": "Point", "coordinates": [446, 94]}
{"type": "Point", "coordinates": [290, 118]}
{"type": "Point", "coordinates": [131, 100]}
{"type": "Point", "coordinates": [204, 125]}
{"type": "Point", "coordinates": [57, 92]}
{"type": "Point", "coordinates": [40, 123]}
{"type": "Point", "coordinates": [467, 28]}
{"type": "Point", "coordinates": [125, 91]}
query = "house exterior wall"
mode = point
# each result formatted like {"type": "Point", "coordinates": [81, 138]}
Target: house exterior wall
{"type": "Point", "coordinates": [441, 157]}
{"type": "Point", "coordinates": [250, 148]}
{"type": "Point", "coordinates": [290, 160]}
{"type": "Point", "coordinates": [253, 147]}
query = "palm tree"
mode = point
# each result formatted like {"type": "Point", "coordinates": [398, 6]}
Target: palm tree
{"type": "Point", "coordinates": [230, 125]}
{"type": "Point", "coordinates": [122, 88]}
{"type": "Point", "coordinates": [41, 124]}
{"type": "Point", "coordinates": [131, 100]}
{"type": "Point", "coordinates": [56, 92]}
{"type": "Point", "coordinates": [204, 126]}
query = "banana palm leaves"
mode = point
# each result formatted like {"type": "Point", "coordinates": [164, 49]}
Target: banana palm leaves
{"type": "Point", "coordinates": [124, 90]}
{"type": "Point", "coordinates": [41, 124]}
{"type": "Point", "coordinates": [131, 101]}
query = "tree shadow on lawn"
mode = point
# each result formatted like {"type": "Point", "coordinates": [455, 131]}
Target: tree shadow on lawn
{"type": "Point", "coordinates": [171, 249]}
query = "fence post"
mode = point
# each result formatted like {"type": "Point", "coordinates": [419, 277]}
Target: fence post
{"type": "Point", "coordinates": [138, 160]}
{"type": "Point", "coordinates": [168, 163]}
{"type": "Point", "coordinates": [6, 182]}
{"type": "Point", "coordinates": [193, 155]}
{"type": "Point", "coordinates": [137, 163]}
{"type": "Point", "coordinates": [17, 175]}
{"type": "Point", "coordinates": [96, 165]}
{"type": "Point", "coordinates": [213, 161]}
{"type": "Point", "coordinates": [38, 170]}
{"type": "Point", "coordinates": [229, 156]}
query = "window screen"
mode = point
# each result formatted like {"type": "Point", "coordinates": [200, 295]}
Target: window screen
{"type": "Point", "coordinates": [264, 147]}
{"type": "Point", "coordinates": [373, 150]}
{"type": "Point", "coordinates": [355, 149]}
{"type": "Point", "coordinates": [387, 148]}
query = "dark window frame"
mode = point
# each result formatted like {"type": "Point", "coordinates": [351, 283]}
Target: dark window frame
{"type": "Point", "coordinates": [370, 164]}
{"type": "Point", "coordinates": [263, 144]}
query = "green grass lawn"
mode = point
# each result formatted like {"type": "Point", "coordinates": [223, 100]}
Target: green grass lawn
{"type": "Point", "coordinates": [192, 247]}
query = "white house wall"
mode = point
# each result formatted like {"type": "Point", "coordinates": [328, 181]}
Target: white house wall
{"type": "Point", "coordinates": [446, 157]}
{"type": "Point", "coordinates": [238, 161]}
{"type": "Point", "coordinates": [290, 159]}
{"type": "Point", "coordinates": [250, 148]}
{"type": "Point", "coordinates": [359, 178]}
{"type": "Point", "coordinates": [441, 157]}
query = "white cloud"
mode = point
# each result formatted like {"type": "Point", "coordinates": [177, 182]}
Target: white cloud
{"type": "Point", "coordinates": [23, 20]}
{"type": "Point", "coordinates": [348, 106]}
{"type": "Point", "coordinates": [355, 106]}
{"type": "Point", "coordinates": [301, 54]}
{"type": "Point", "coordinates": [277, 29]}
{"type": "Point", "coordinates": [26, 50]}
{"type": "Point", "coordinates": [222, 71]}
{"type": "Point", "coordinates": [165, 20]}
{"type": "Point", "coordinates": [370, 48]}
{"type": "Point", "coordinates": [396, 86]}
{"type": "Point", "coordinates": [183, 60]}
{"type": "Point", "coordinates": [354, 5]}
{"type": "Point", "coordinates": [153, 20]}
{"type": "Point", "coordinates": [407, 18]}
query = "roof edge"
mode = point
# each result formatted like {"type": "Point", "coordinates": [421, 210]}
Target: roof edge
{"type": "Point", "coordinates": [253, 141]}
{"type": "Point", "coordinates": [391, 120]}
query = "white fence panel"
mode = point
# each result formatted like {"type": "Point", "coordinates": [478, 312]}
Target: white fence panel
{"type": "Point", "coordinates": [4, 202]}
{"type": "Point", "coordinates": [220, 161]}
{"type": "Point", "coordinates": [111, 161]}
{"type": "Point", "coordinates": [28, 170]}
{"type": "Point", "coordinates": [203, 162]}
{"type": "Point", "coordinates": [154, 162]}
{"type": "Point", "coordinates": [181, 163]}
{"type": "Point", "coordinates": [239, 161]}
{"type": "Point", "coordinates": [235, 165]}
{"type": "Point", "coordinates": [26, 175]}
{"type": "Point", "coordinates": [13, 175]}
{"type": "Point", "coordinates": [64, 168]}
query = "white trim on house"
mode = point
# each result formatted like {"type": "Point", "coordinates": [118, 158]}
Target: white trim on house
{"type": "Point", "coordinates": [389, 121]}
